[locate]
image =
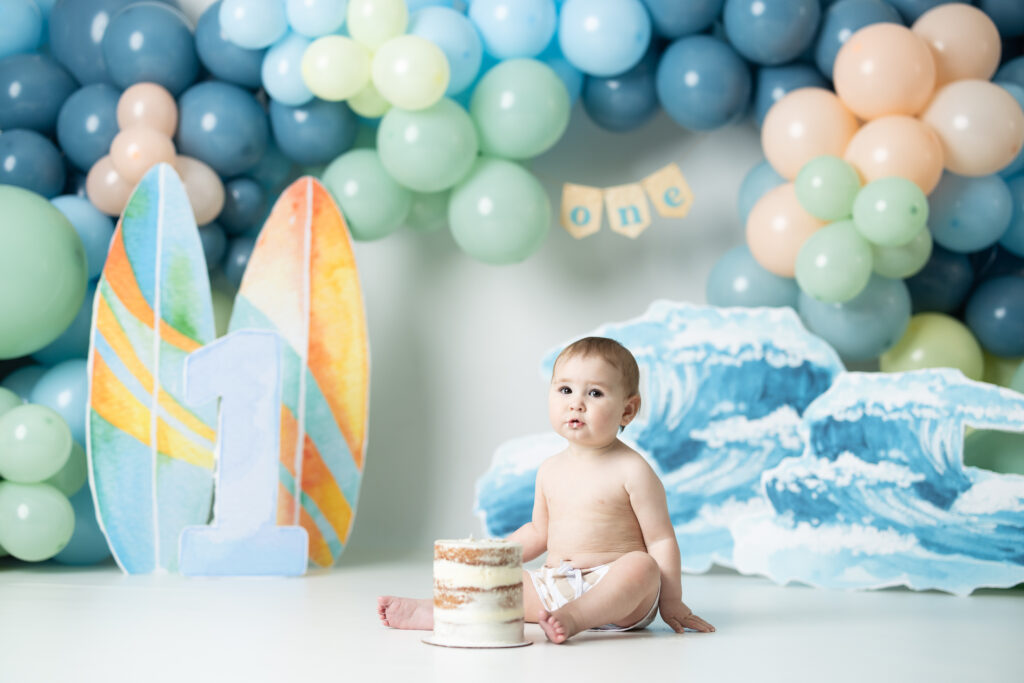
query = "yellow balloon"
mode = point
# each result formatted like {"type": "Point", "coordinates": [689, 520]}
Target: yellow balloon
{"type": "Point", "coordinates": [935, 340]}
{"type": "Point", "coordinates": [368, 103]}
{"type": "Point", "coordinates": [410, 72]}
{"type": "Point", "coordinates": [335, 68]}
{"type": "Point", "coordinates": [372, 22]}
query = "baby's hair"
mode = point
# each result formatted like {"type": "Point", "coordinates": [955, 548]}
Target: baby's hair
{"type": "Point", "coordinates": [611, 351]}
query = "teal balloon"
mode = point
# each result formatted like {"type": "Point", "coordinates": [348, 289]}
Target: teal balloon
{"type": "Point", "coordinates": [429, 212]}
{"type": "Point", "coordinates": [834, 264]}
{"type": "Point", "coordinates": [500, 214]}
{"type": "Point", "coordinates": [8, 400]}
{"type": "Point", "coordinates": [43, 272]}
{"type": "Point", "coordinates": [826, 187]}
{"type": "Point", "coordinates": [88, 545]}
{"type": "Point", "coordinates": [905, 260]}
{"type": "Point", "coordinates": [1001, 452]}
{"type": "Point", "coordinates": [72, 477]}
{"type": "Point", "coordinates": [373, 203]}
{"type": "Point", "coordinates": [520, 108]}
{"type": "Point", "coordinates": [35, 442]}
{"type": "Point", "coordinates": [890, 211]}
{"type": "Point", "coordinates": [36, 520]}
{"type": "Point", "coordinates": [23, 380]}
{"type": "Point", "coordinates": [64, 388]}
{"type": "Point", "coordinates": [428, 150]}
{"type": "Point", "coordinates": [739, 280]}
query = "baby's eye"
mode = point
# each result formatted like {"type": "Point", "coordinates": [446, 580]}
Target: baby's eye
{"type": "Point", "coordinates": [564, 390]}
{"type": "Point", "coordinates": [596, 393]}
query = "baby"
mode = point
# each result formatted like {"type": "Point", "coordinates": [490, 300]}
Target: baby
{"type": "Point", "coordinates": [599, 511]}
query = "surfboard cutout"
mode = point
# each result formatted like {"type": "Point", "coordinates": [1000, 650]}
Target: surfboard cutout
{"type": "Point", "coordinates": [151, 456]}
{"type": "Point", "coordinates": [302, 282]}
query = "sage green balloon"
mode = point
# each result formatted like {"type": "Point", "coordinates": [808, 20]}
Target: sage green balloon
{"type": "Point", "coordinates": [1001, 452]}
{"type": "Point", "coordinates": [428, 150]}
{"type": "Point", "coordinates": [8, 400]}
{"type": "Point", "coordinates": [500, 214]}
{"type": "Point", "coordinates": [43, 273]}
{"type": "Point", "coordinates": [72, 476]}
{"type": "Point", "coordinates": [834, 264]}
{"type": "Point", "coordinates": [36, 520]}
{"type": "Point", "coordinates": [826, 187]}
{"type": "Point", "coordinates": [1017, 382]}
{"type": "Point", "coordinates": [35, 442]}
{"type": "Point", "coordinates": [374, 205]}
{"type": "Point", "coordinates": [520, 108]}
{"type": "Point", "coordinates": [935, 340]}
{"type": "Point", "coordinates": [904, 260]}
{"type": "Point", "coordinates": [890, 211]}
{"type": "Point", "coordinates": [429, 212]}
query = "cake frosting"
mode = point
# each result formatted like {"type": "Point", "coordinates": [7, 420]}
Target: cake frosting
{"type": "Point", "coordinates": [478, 593]}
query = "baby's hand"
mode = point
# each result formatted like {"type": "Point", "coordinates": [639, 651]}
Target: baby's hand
{"type": "Point", "coordinates": [680, 617]}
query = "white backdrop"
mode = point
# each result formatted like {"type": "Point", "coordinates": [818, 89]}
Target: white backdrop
{"type": "Point", "coordinates": [456, 345]}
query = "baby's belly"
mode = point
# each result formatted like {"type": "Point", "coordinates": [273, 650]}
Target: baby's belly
{"type": "Point", "coordinates": [589, 550]}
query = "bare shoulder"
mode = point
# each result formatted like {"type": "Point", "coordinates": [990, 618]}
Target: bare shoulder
{"type": "Point", "coordinates": [552, 463]}
{"type": "Point", "coordinates": [638, 471]}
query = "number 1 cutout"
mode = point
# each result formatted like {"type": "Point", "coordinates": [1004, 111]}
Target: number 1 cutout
{"type": "Point", "coordinates": [244, 370]}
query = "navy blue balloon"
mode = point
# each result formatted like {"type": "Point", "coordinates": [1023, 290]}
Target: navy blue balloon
{"type": "Point", "coordinates": [215, 243]}
{"type": "Point", "coordinates": [773, 82]}
{"type": "Point", "coordinates": [771, 33]}
{"type": "Point", "coordinates": [222, 125]}
{"type": "Point", "coordinates": [75, 184]}
{"type": "Point", "coordinates": [841, 21]}
{"type": "Point", "coordinates": [237, 258]}
{"type": "Point", "coordinates": [87, 124]}
{"type": "Point", "coordinates": [995, 314]}
{"type": "Point", "coordinates": [624, 102]}
{"type": "Point", "coordinates": [151, 42]}
{"type": "Point", "coordinates": [996, 261]}
{"type": "Point", "coordinates": [739, 280]}
{"type": "Point", "coordinates": [677, 18]}
{"type": "Point", "coordinates": [221, 57]}
{"type": "Point", "coordinates": [273, 169]}
{"type": "Point", "coordinates": [245, 205]}
{"type": "Point", "coordinates": [315, 132]}
{"type": "Point", "coordinates": [912, 9]}
{"type": "Point", "coordinates": [76, 36]}
{"type": "Point", "coordinates": [942, 285]}
{"type": "Point", "coordinates": [702, 82]}
{"type": "Point", "coordinates": [1008, 15]}
{"type": "Point", "coordinates": [29, 160]}
{"type": "Point", "coordinates": [32, 90]}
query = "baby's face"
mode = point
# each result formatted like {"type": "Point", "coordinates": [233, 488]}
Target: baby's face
{"type": "Point", "coordinates": [587, 402]}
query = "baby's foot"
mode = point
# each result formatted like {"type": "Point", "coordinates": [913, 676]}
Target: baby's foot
{"type": "Point", "coordinates": [558, 629]}
{"type": "Point", "coordinates": [406, 613]}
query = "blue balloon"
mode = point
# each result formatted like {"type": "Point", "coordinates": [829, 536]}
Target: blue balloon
{"type": "Point", "coordinates": [1011, 72]}
{"type": "Point", "coordinates": [222, 125]}
{"type": "Point", "coordinates": [22, 380]}
{"type": "Point", "coordinates": [458, 39]}
{"type": "Point", "coordinates": [245, 206]}
{"type": "Point", "coordinates": [151, 42]}
{"type": "Point", "coordinates": [64, 388]}
{"type": "Point", "coordinates": [755, 185]}
{"type": "Point", "coordinates": [674, 19]}
{"type": "Point", "coordinates": [272, 170]}
{"type": "Point", "coordinates": [514, 28]}
{"type": "Point", "coordinates": [622, 103]}
{"type": "Point", "coordinates": [553, 57]}
{"type": "Point", "coordinates": [93, 226]}
{"type": "Point", "coordinates": [969, 214]}
{"type": "Point", "coordinates": [237, 258]}
{"type": "Point", "coordinates": [21, 30]}
{"type": "Point", "coordinates": [702, 83]}
{"type": "Point", "coordinates": [221, 57]}
{"type": "Point", "coordinates": [1013, 239]}
{"type": "Point", "coordinates": [864, 327]}
{"type": "Point", "coordinates": [254, 24]}
{"type": "Point", "coordinates": [29, 160]}
{"type": "Point", "coordinates": [88, 545]}
{"type": "Point", "coordinates": [603, 37]}
{"type": "Point", "coordinates": [73, 342]}
{"type": "Point", "coordinates": [910, 10]}
{"type": "Point", "coordinates": [87, 124]}
{"type": "Point", "coordinates": [215, 243]}
{"type": "Point", "coordinates": [995, 262]}
{"type": "Point", "coordinates": [942, 285]}
{"type": "Point", "coordinates": [282, 70]}
{"type": "Point", "coordinates": [1008, 15]}
{"type": "Point", "coordinates": [76, 36]}
{"type": "Point", "coordinates": [771, 33]}
{"type": "Point", "coordinates": [315, 18]}
{"type": "Point", "coordinates": [313, 133]}
{"type": "Point", "coordinates": [416, 5]}
{"type": "Point", "coordinates": [995, 314]}
{"type": "Point", "coordinates": [1018, 162]}
{"type": "Point", "coordinates": [841, 21]}
{"type": "Point", "coordinates": [773, 82]}
{"type": "Point", "coordinates": [739, 280]}
{"type": "Point", "coordinates": [33, 88]}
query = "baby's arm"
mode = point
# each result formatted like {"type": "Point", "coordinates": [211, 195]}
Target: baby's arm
{"type": "Point", "coordinates": [534, 534]}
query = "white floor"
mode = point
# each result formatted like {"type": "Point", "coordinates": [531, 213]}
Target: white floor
{"type": "Point", "coordinates": [60, 624]}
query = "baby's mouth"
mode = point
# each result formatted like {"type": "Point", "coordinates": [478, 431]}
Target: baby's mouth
{"type": "Point", "coordinates": [575, 423]}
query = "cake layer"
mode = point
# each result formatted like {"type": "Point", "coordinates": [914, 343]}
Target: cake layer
{"type": "Point", "coordinates": [447, 573]}
{"type": "Point", "coordinates": [505, 597]}
{"type": "Point", "coordinates": [479, 635]}
{"type": "Point", "coordinates": [493, 552]}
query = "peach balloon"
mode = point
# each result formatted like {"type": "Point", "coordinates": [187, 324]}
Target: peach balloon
{"type": "Point", "coordinates": [776, 229]}
{"type": "Point", "coordinates": [203, 186]}
{"type": "Point", "coordinates": [107, 190]}
{"type": "Point", "coordinates": [980, 126]}
{"type": "Point", "coordinates": [148, 104]}
{"type": "Point", "coordinates": [964, 42]}
{"type": "Point", "coordinates": [897, 145]}
{"type": "Point", "coordinates": [137, 149]}
{"type": "Point", "coordinates": [804, 124]}
{"type": "Point", "coordinates": [884, 69]}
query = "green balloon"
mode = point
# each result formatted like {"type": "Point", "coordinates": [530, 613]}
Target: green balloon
{"type": "Point", "coordinates": [935, 340]}
{"type": "Point", "coordinates": [430, 149]}
{"type": "Point", "coordinates": [35, 442]}
{"type": "Point", "coordinates": [36, 520]}
{"type": "Point", "coordinates": [834, 264]}
{"type": "Point", "coordinates": [223, 304]}
{"type": "Point", "coordinates": [521, 108]}
{"type": "Point", "coordinates": [8, 400]}
{"type": "Point", "coordinates": [72, 476]}
{"type": "Point", "coordinates": [1017, 383]}
{"type": "Point", "coordinates": [1001, 452]}
{"type": "Point", "coordinates": [890, 211]}
{"type": "Point", "coordinates": [374, 205]}
{"type": "Point", "coordinates": [999, 370]}
{"type": "Point", "coordinates": [43, 273]}
{"type": "Point", "coordinates": [429, 212]}
{"type": "Point", "coordinates": [904, 260]}
{"type": "Point", "coordinates": [500, 213]}
{"type": "Point", "coordinates": [826, 187]}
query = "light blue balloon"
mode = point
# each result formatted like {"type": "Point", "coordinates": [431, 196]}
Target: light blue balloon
{"type": "Point", "coordinates": [702, 83]}
{"type": "Point", "coordinates": [87, 124]}
{"type": "Point", "coordinates": [1013, 238]}
{"type": "Point", "coordinates": [253, 24]}
{"type": "Point", "coordinates": [282, 71]}
{"type": "Point", "coordinates": [92, 225]}
{"type": "Point", "coordinates": [88, 545]}
{"type": "Point", "coordinates": [221, 57]}
{"type": "Point", "coordinates": [64, 388]}
{"type": "Point", "coordinates": [151, 42]}
{"type": "Point", "coordinates": [21, 30]}
{"type": "Point", "coordinates": [755, 185]}
{"type": "Point", "coordinates": [864, 327]}
{"type": "Point", "coordinates": [215, 243]}
{"type": "Point", "coordinates": [570, 75]}
{"type": "Point", "coordinates": [969, 214]}
{"type": "Point", "coordinates": [1018, 162]}
{"type": "Point", "coordinates": [22, 380]}
{"type": "Point", "coordinates": [844, 18]}
{"type": "Point", "coordinates": [774, 82]}
{"type": "Point", "coordinates": [514, 28]}
{"type": "Point", "coordinates": [73, 342]}
{"type": "Point", "coordinates": [739, 280]}
{"type": "Point", "coordinates": [315, 18]}
{"type": "Point", "coordinates": [771, 33]}
{"type": "Point", "coordinates": [677, 18]}
{"type": "Point", "coordinates": [458, 39]}
{"type": "Point", "coordinates": [603, 37]}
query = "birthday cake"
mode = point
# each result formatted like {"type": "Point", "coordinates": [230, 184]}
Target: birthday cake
{"type": "Point", "coordinates": [478, 593]}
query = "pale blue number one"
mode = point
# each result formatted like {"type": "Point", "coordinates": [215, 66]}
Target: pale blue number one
{"type": "Point", "coordinates": [244, 370]}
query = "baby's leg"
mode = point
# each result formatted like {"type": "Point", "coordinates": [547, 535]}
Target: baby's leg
{"type": "Point", "coordinates": [623, 596]}
{"type": "Point", "coordinates": [531, 601]}
{"type": "Point", "coordinates": [409, 613]}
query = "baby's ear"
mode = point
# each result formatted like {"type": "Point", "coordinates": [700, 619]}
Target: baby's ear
{"type": "Point", "coordinates": [631, 409]}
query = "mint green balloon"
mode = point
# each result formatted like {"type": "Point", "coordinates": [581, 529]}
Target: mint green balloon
{"type": "Point", "coordinates": [429, 212]}
{"type": "Point", "coordinates": [35, 442]}
{"type": "Point", "coordinates": [834, 264]}
{"type": "Point", "coordinates": [36, 520]}
{"type": "Point", "coordinates": [428, 150]}
{"type": "Point", "coordinates": [8, 400]}
{"type": "Point", "coordinates": [904, 260]}
{"type": "Point", "coordinates": [521, 108]}
{"type": "Point", "coordinates": [374, 205]}
{"type": "Point", "coordinates": [826, 187]}
{"type": "Point", "coordinates": [500, 213]}
{"type": "Point", "coordinates": [72, 476]}
{"type": "Point", "coordinates": [890, 211]}
{"type": "Point", "coordinates": [1001, 452]}
{"type": "Point", "coordinates": [43, 273]}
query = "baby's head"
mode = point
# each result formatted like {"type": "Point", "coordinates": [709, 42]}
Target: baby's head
{"type": "Point", "coordinates": [611, 352]}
